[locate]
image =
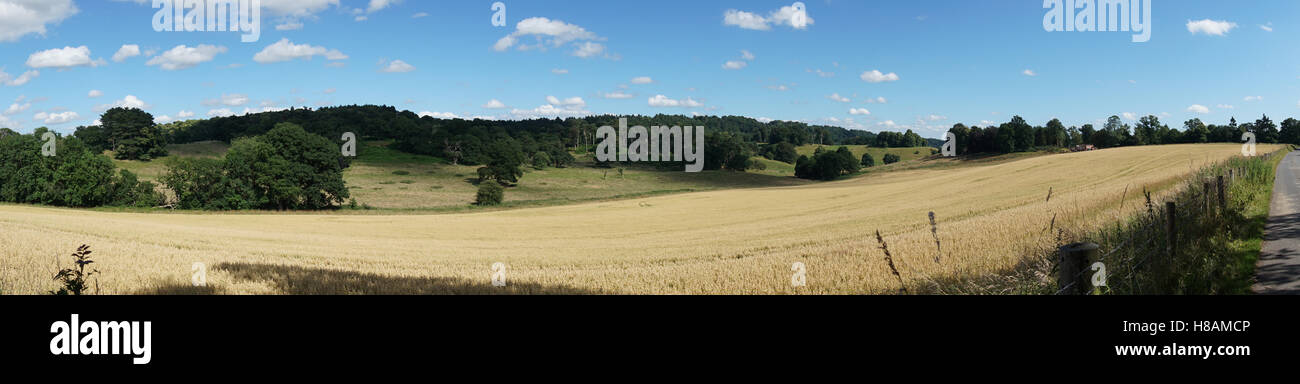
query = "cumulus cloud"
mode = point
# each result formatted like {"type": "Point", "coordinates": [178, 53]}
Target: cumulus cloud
{"type": "Point", "coordinates": [379, 5]}
{"type": "Point", "coordinates": [285, 50]}
{"type": "Point", "coordinates": [875, 76]}
{"type": "Point", "coordinates": [642, 80]}
{"type": "Point", "coordinates": [184, 57]}
{"type": "Point", "coordinates": [55, 118]}
{"type": "Point", "coordinates": [20, 18]}
{"type": "Point", "coordinates": [63, 58]}
{"type": "Point", "coordinates": [555, 107]}
{"type": "Point", "coordinates": [785, 16]}
{"type": "Point", "coordinates": [859, 111]}
{"type": "Point", "coordinates": [549, 33]}
{"type": "Point", "coordinates": [662, 101]}
{"type": "Point", "coordinates": [17, 107]}
{"type": "Point", "coordinates": [1029, 72]}
{"type": "Point", "coordinates": [94, 93]}
{"type": "Point", "coordinates": [734, 65]}
{"type": "Point", "coordinates": [877, 100]}
{"type": "Point", "coordinates": [1210, 27]}
{"type": "Point", "coordinates": [837, 97]}
{"type": "Point", "coordinates": [127, 51]}
{"type": "Point", "coordinates": [396, 66]}
{"type": "Point", "coordinates": [1253, 98]}
{"type": "Point", "coordinates": [1197, 108]}
{"type": "Point", "coordinates": [8, 80]}
{"type": "Point", "coordinates": [494, 104]}
{"type": "Point", "coordinates": [185, 114]}
{"type": "Point", "coordinates": [297, 8]}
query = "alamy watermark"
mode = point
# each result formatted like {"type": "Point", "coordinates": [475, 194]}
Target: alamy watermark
{"type": "Point", "coordinates": [210, 16]}
{"type": "Point", "coordinates": [1099, 15]}
{"type": "Point", "coordinates": [659, 143]}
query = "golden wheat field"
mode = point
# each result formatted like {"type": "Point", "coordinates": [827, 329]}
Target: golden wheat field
{"type": "Point", "coordinates": [718, 242]}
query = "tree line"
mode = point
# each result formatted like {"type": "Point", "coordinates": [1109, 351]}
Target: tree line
{"type": "Point", "coordinates": [1018, 136]}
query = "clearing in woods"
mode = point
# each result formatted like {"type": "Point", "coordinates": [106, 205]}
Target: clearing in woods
{"type": "Point", "coordinates": [712, 242]}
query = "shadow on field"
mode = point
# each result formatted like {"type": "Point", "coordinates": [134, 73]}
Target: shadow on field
{"type": "Point", "coordinates": [179, 290]}
{"type": "Point", "coordinates": [293, 280]}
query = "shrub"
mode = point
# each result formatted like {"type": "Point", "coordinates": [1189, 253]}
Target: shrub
{"type": "Point", "coordinates": [541, 160]}
{"type": "Point", "coordinates": [868, 161]}
{"type": "Point", "coordinates": [892, 158]}
{"type": "Point", "coordinates": [490, 193]}
{"type": "Point", "coordinates": [74, 279]}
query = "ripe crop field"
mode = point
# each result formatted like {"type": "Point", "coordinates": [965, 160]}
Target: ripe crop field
{"type": "Point", "coordinates": [712, 242]}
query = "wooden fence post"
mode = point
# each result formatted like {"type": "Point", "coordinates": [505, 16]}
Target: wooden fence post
{"type": "Point", "coordinates": [1223, 201]}
{"type": "Point", "coordinates": [1075, 259]}
{"type": "Point", "coordinates": [1205, 204]}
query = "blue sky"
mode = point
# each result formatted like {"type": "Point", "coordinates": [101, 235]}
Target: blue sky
{"type": "Point", "coordinates": [950, 61]}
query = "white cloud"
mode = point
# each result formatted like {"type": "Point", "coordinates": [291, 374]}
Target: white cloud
{"type": "Point", "coordinates": [589, 49]}
{"type": "Point", "coordinates": [297, 8]}
{"type": "Point", "coordinates": [420, 15]}
{"type": "Point", "coordinates": [744, 54]}
{"type": "Point", "coordinates": [127, 51]}
{"type": "Point", "coordinates": [396, 66]}
{"type": "Point", "coordinates": [1267, 27]}
{"type": "Point", "coordinates": [734, 65]}
{"type": "Point", "coordinates": [362, 18]}
{"type": "Point", "coordinates": [230, 100]}
{"type": "Point", "coordinates": [765, 120]}
{"type": "Point", "coordinates": [779, 87]}
{"type": "Point", "coordinates": [95, 93]}
{"type": "Point", "coordinates": [934, 117]}
{"type": "Point", "coordinates": [1253, 98]}
{"type": "Point", "coordinates": [569, 103]}
{"type": "Point", "coordinates": [875, 76]}
{"type": "Point", "coordinates": [9, 80]}
{"type": "Point", "coordinates": [285, 50]}
{"type": "Point", "coordinates": [1225, 106]}
{"type": "Point", "coordinates": [785, 16]}
{"type": "Point", "coordinates": [17, 108]}
{"type": "Point", "coordinates": [642, 80]}
{"type": "Point", "coordinates": [494, 104]}
{"type": "Point", "coordinates": [618, 95]}
{"type": "Point", "coordinates": [56, 118]}
{"type": "Point", "coordinates": [555, 107]}
{"type": "Point", "coordinates": [1029, 72]}
{"type": "Point", "coordinates": [223, 112]}
{"type": "Point", "coordinates": [289, 25]}
{"type": "Point", "coordinates": [163, 119]}
{"type": "Point", "coordinates": [559, 71]}
{"type": "Point", "coordinates": [877, 100]}
{"type": "Point", "coordinates": [859, 111]}
{"type": "Point", "coordinates": [183, 57]}
{"type": "Point", "coordinates": [837, 97]}
{"type": "Point", "coordinates": [379, 5]}
{"type": "Point", "coordinates": [551, 34]}
{"type": "Point", "coordinates": [1130, 116]}
{"type": "Point", "coordinates": [20, 18]}
{"type": "Point", "coordinates": [821, 73]}
{"type": "Point", "coordinates": [130, 101]}
{"type": "Point", "coordinates": [662, 101]}
{"type": "Point", "coordinates": [1210, 27]}
{"type": "Point", "coordinates": [5, 122]}
{"type": "Point", "coordinates": [1197, 108]}
{"type": "Point", "coordinates": [439, 115]}
{"type": "Point", "coordinates": [185, 114]}
{"type": "Point", "coordinates": [62, 58]}
{"type": "Point", "coordinates": [887, 123]}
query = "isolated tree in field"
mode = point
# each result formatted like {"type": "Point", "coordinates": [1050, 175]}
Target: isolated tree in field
{"type": "Point", "coordinates": [785, 152]}
{"type": "Point", "coordinates": [490, 193]}
{"type": "Point", "coordinates": [868, 161]}
{"type": "Point", "coordinates": [892, 158]}
{"type": "Point", "coordinates": [132, 134]}
{"type": "Point", "coordinates": [503, 161]}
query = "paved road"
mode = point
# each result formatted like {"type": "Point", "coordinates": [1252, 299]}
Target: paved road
{"type": "Point", "coordinates": [1279, 260]}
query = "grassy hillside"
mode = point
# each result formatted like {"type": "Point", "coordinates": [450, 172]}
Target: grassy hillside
{"type": "Point", "coordinates": [907, 154]}
{"type": "Point", "coordinates": [722, 241]}
{"type": "Point", "coordinates": [388, 179]}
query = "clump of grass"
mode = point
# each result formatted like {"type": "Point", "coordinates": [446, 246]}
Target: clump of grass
{"type": "Point", "coordinates": [387, 182]}
{"type": "Point", "coordinates": [401, 173]}
{"type": "Point", "coordinates": [407, 182]}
